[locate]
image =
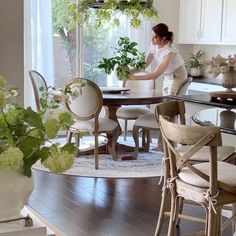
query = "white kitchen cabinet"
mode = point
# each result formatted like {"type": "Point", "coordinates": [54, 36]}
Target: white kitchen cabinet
{"type": "Point", "coordinates": [229, 19]}
{"type": "Point", "coordinates": [200, 21]}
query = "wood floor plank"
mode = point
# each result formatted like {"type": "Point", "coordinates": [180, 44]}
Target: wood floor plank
{"type": "Point", "coordinates": [81, 206]}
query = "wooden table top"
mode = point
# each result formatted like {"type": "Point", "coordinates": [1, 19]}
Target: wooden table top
{"type": "Point", "coordinates": [134, 97]}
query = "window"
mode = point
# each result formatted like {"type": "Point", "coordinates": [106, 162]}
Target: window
{"type": "Point", "coordinates": [75, 52]}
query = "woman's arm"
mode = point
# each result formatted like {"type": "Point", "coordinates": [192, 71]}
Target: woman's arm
{"type": "Point", "coordinates": [157, 72]}
{"type": "Point", "coordinates": [148, 60]}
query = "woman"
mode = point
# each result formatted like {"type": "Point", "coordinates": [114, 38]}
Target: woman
{"type": "Point", "coordinates": [170, 62]}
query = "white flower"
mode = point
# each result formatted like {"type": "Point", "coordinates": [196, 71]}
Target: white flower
{"type": "Point", "coordinates": [24, 133]}
{"type": "Point", "coordinates": [11, 159]}
{"type": "Point", "coordinates": [219, 64]}
{"type": "Point", "coordinates": [59, 162]}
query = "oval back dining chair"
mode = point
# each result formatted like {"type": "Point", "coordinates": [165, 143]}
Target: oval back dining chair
{"type": "Point", "coordinates": [211, 184]}
{"type": "Point", "coordinates": [148, 122]}
{"type": "Point", "coordinates": [132, 112]}
{"type": "Point", "coordinates": [85, 103]}
{"type": "Point", "coordinates": [39, 86]}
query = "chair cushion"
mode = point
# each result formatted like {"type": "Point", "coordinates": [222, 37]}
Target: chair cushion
{"type": "Point", "coordinates": [147, 121]}
{"type": "Point", "coordinates": [105, 125]}
{"type": "Point", "coordinates": [223, 152]}
{"type": "Point", "coordinates": [226, 174]}
{"type": "Point", "coordinates": [132, 112]}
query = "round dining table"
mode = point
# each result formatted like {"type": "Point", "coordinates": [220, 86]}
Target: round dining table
{"type": "Point", "coordinates": [112, 100]}
{"type": "Point", "coordinates": [223, 118]}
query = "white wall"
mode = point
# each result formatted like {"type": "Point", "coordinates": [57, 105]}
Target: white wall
{"type": "Point", "coordinates": [169, 14]}
{"type": "Point", "coordinates": [214, 50]}
{"type": "Point", "coordinates": [11, 43]}
{"type": "Point", "coordinates": [12, 36]}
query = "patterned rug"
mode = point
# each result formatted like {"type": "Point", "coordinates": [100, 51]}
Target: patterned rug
{"type": "Point", "coordinates": [148, 164]}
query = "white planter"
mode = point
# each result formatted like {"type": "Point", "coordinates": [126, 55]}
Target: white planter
{"type": "Point", "coordinates": [15, 190]}
{"type": "Point", "coordinates": [195, 71]}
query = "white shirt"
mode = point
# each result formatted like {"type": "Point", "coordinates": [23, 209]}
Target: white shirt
{"type": "Point", "coordinates": [159, 53]}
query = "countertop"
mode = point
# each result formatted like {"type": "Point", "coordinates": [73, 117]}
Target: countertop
{"type": "Point", "coordinates": [205, 99]}
{"type": "Point", "coordinates": [216, 81]}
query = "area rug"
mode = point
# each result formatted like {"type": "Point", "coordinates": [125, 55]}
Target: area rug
{"type": "Point", "coordinates": [146, 165]}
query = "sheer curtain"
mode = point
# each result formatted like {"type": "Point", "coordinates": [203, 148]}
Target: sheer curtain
{"type": "Point", "coordinates": [38, 43]}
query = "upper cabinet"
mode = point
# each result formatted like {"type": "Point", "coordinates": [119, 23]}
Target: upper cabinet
{"type": "Point", "coordinates": [201, 21]}
{"type": "Point", "coordinates": [189, 21]}
{"type": "Point", "coordinates": [229, 19]}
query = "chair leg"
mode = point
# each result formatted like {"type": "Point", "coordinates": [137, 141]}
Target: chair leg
{"type": "Point", "coordinates": [212, 222]}
{"type": "Point", "coordinates": [143, 138]}
{"type": "Point", "coordinates": [234, 221]}
{"type": "Point", "coordinates": [77, 142]}
{"type": "Point", "coordinates": [112, 141]}
{"type": "Point", "coordinates": [160, 143]}
{"type": "Point", "coordinates": [136, 141]}
{"type": "Point", "coordinates": [69, 134]}
{"type": "Point", "coordinates": [181, 205]}
{"type": "Point", "coordinates": [96, 149]}
{"type": "Point", "coordinates": [161, 216]}
{"type": "Point", "coordinates": [126, 129]}
{"type": "Point", "coordinates": [146, 139]}
{"type": "Point", "coordinates": [173, 213]}
{"type": "Point", "coordinates": [219, 221]}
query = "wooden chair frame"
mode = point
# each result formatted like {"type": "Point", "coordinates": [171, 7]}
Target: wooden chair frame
{"type": "Point", "coordinates": [218, 193]}
{"type": "Point", "coordinates": [32, 74]}
{"type": "Point", "coordinates": [112, 135]}
{"type": "Point", "coordinates": [137, 84]}
{"type": "Point", "coordinates": [146, 130]}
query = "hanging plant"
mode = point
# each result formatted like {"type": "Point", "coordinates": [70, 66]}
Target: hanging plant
{"type": "Point", "coordinates": [110, 10]}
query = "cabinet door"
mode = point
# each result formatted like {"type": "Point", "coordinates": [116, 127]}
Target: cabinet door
{"type": "Point", "coordinates": [189, 21]}
{"type": "Point", "coordinates": [229, 19]}
{"type": "Point", "coordinates": [211, 19]}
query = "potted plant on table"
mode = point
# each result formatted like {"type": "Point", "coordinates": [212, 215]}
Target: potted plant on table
{"type": "Point", "coordinates": [23, 135]}
{"type": "Point", "coordinates": [194, 63]}
{"type": "Point", "coordinates": [225, 66]}
{"type": "Point", "coordinates": [127, 56]}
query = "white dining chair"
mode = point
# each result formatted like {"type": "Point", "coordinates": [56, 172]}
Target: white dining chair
{"type": "Point", "coordinates": [85, 103]}
{"type": "Point", "coordinates": [39, 86]}
{"type": "Point", "coordinates": [132, 112]}
{"type": "Point", "coordinates": [149, 123]}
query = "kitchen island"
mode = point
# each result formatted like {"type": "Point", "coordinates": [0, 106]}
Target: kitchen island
{"type": "Point", "coordinates": [198, 102]}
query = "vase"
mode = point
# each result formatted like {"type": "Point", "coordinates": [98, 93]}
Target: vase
{"type": "Point", "coordinates": [229, 80]}
{"type": "Point", "coordinates": [227, 119]}
{"type": "Point", "coordinates": [195, 72]}
{"type": "Point", "coordinates": [14, 192]}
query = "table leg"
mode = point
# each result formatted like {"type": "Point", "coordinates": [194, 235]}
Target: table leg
{"type": "Point", "coordinates": [125, 152]}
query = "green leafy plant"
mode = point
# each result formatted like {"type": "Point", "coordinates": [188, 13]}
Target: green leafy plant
{"type": "Point", "coordinates": [109, 11]}
{"type": "Point", "coordinates": [24, 133]}
{"type": "Point", "coordinates": [127, 55]}
{"type": "Point", "coordinates": [195, 59]}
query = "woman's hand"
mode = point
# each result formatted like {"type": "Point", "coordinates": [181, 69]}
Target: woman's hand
{"type": "Point", "coordinates": [132, 76]}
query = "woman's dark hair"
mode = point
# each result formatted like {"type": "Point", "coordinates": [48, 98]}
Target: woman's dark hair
{"type": "Point", "coordinates": [163, 32]}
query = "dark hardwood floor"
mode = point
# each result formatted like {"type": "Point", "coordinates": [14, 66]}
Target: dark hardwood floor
{"type": "Point", "coordinates": [81, 206]}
